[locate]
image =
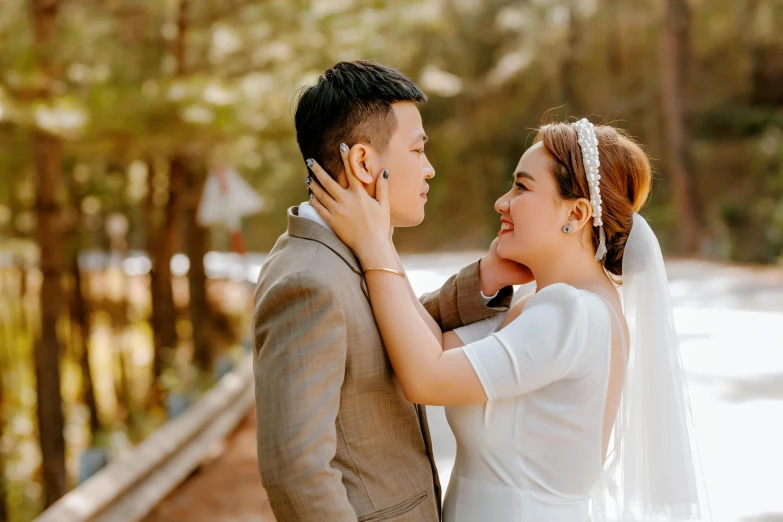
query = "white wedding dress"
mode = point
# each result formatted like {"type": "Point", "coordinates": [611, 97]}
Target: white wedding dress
{"type": "Point", "coordinates": [534, 451]}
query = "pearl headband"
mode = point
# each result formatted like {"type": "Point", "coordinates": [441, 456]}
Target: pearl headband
{"type": "Point", "coordinates": [588, 143]}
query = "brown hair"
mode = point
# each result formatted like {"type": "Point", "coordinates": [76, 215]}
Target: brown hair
{"type": "Point", "coordinates": [626, 181]}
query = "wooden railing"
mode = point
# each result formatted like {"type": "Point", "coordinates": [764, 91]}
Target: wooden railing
{"type": "Point", "coordinates": [132, 484]}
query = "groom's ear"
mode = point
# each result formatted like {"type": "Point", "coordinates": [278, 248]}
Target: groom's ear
{"type": "Point", "coordinates": [362, 159]}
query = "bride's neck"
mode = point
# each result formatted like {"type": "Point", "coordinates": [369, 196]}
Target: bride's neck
{"type": "Point", "coordinates": [578, 269]}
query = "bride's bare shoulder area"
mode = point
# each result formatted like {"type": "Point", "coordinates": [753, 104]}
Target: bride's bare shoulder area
{"type": "Point", "coordinates": [516, 309]}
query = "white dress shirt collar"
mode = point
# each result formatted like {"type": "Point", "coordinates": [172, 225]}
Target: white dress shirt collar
{"type": "Point", "coordinates": [308, 212]}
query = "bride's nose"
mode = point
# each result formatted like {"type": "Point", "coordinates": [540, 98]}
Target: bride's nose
{"type": "Point", "coordinates": [501, 205]}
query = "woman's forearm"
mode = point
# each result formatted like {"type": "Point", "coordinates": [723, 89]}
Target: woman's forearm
{"type": "Point", "coordinates": [431, 323]}
{"type": "Point", "coordinates": [413, 348]}
{"type": "Point", "coordinates": [427, 318]}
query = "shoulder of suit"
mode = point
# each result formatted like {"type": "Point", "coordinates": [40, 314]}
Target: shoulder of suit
{"type": "Point", "coordinates": [302, 259]}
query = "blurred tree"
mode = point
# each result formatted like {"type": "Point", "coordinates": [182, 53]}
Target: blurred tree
{"type": "Point", "coordinates": [675, 67]}
{"type": "Point", "coordinates": [163, 313]}
{"type": "Point", "coordinates": [616, 47]}
{"type": "Point", "coordinates": [47, 153]}
{"type": "Point", "coordinates": [4, 511]}
{"type": "Point", "coordinates": [196, 248]}
{"type": "Point", "coordinates": [80, 313]}
{"type": "Point", "coordinates": [571, 58]}
{"type": "Point", "coordinates": [82, 320]}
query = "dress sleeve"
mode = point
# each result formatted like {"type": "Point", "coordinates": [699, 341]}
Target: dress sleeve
{"type": "Point", "coordinates": [480, 329]}
{"type": "Point", "coordinates": [537, 348]}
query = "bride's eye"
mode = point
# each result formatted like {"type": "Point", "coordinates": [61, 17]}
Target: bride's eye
{"type": "Point", "coordinates": [520, 186]}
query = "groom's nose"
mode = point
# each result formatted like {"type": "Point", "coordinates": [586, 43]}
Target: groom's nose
{"type": "Point", "coordinates": [429, 170]}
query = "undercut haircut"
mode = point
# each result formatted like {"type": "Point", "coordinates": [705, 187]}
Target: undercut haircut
{"type": "Point", "coordinates": [350, 103]}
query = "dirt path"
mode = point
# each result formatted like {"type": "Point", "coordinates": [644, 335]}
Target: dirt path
{"type": "Point", "coordinates": [225, 489]}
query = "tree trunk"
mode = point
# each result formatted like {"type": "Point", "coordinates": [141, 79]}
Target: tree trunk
{"type": "Point", "coordinates": [47, 150]}
{"type": "Point", "coordinates": [122, 384]}
{"type": "Point", "coordinates": [82, 317]}
{"type": "Point", "coordinates": [197, 279]}
{"type": "Point", "coordinates": [80, 314]}
{"type": "Point", "coordinates": [162, 245]}
{"type": "Point", "coordinates": [3, 492]}
{"type": "Point", "coordinates": [181, 39]}
{"type": "Point", "coordinates": [675, 62]}
{"type": "Point", "coordinates": [163, 318]}
{"type": "Point", "coordinates": [616, 41]}
{"type": "Point", "coordinates": [570, 61]}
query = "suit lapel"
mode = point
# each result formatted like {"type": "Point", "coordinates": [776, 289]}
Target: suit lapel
{"type": "Point", "coordinates": [425, 432]}
{"type": "Point", "coordinates": [308, 229]}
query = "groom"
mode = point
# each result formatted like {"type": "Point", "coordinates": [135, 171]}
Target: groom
{"type": "Point", "coordinates": [337, 439]}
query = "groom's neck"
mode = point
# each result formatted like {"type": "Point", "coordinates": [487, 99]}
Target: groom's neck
{"type": "Point", "coordinates": [342, 180]}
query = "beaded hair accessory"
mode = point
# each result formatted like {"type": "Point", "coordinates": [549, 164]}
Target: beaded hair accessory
{"type": "Point", "coordinates": [588, 143]}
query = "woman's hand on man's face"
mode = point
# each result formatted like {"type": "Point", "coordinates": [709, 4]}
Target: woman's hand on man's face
{"type": "Point", "coordinates": [361, 221]}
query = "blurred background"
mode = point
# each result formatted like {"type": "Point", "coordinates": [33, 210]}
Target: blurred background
{"type": "Point", "coordinates": [121, 300]}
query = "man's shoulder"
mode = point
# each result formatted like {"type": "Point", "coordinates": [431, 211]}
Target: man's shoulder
{"type": "Point", "coordinates": [298, 261]}
{"type": "Point", "coordinates": [300, 272]}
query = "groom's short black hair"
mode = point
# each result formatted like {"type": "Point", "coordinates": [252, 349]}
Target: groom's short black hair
{"type": "Point", "coordinates": [350, 103]}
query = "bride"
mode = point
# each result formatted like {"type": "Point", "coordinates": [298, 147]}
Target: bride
{"type": "Point", "coordinates": [574, 407]}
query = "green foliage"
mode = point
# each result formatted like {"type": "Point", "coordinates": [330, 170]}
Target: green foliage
{"type": "Point", "coordinates": [493, 70]}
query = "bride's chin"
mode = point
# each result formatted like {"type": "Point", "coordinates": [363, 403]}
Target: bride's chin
{"type": "Point", "coordinates": [506, 251]}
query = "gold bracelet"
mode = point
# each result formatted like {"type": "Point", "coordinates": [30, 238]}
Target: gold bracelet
{"type": "Point", "coordinates": [384, 270]}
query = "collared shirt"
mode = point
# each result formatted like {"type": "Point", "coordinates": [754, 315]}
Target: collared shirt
{"type": "Point", "coordinates": [307, 211]}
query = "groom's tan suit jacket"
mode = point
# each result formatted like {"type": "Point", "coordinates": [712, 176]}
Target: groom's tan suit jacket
{"type": "Point", "coordinates": [337, 440]}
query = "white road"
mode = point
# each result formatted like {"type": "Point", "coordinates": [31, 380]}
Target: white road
{"type": "Point", "coordinates": [730, 322]}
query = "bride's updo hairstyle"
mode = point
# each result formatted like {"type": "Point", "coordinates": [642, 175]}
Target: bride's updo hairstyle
{"type": "Point", "coordinates": [626, 180]}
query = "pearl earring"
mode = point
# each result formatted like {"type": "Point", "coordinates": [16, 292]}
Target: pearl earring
{"type": "Point", "coordinates": [567, 229]}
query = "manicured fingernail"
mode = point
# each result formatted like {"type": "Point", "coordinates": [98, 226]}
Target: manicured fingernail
{"type": "Point", "coordinates": [308, 180]}
{"type": "Point", "coordinates": [344, 147]}
{"type": "Point", "coordinates": [312, 196]}
{"type": "Point", "coordinates": [386, 174]}
{"type": "Point", "coordinates": [309, 162]}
